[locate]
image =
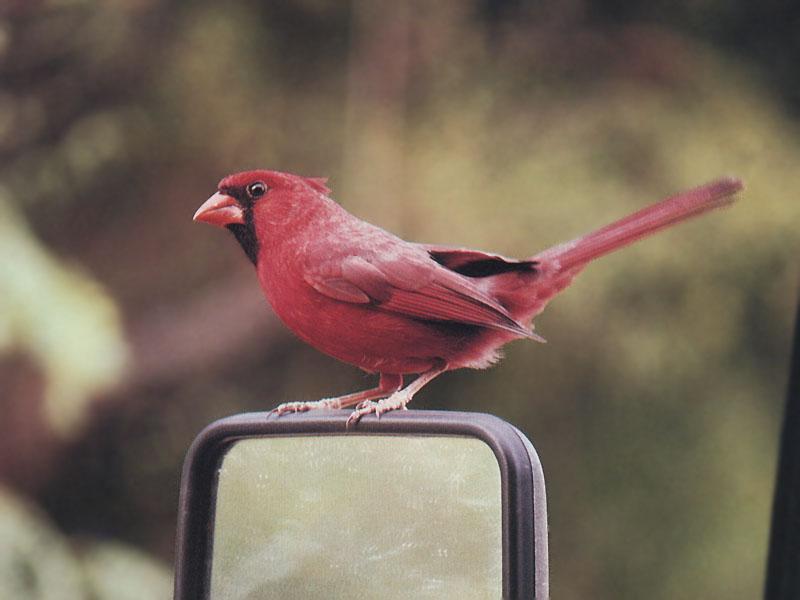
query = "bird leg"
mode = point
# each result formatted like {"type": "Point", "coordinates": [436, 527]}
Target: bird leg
{"type": "Point", "coordinates": [388, 384]}
{"type": "Point", "coordinates": [398, 400]}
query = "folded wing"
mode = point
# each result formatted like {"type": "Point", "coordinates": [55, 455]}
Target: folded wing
{"type": "Point", "coordinates": [412, 285]}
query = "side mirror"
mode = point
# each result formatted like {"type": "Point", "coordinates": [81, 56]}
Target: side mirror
{"type": "Point", "coordinates": [418, 504]}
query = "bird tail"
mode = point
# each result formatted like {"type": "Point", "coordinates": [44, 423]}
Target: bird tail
{"type": "Point", "coordinates": [642, 223]}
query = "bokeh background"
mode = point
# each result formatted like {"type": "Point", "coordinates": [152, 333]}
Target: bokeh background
{"type": "Point", "coordinates": [496, 124]}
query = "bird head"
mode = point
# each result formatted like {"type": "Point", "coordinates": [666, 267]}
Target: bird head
{"type": "Point", "coordinates": [239, 196]}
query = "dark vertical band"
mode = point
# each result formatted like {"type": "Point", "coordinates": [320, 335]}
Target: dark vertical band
{"type": "Point", "coordinates": [783, 562]}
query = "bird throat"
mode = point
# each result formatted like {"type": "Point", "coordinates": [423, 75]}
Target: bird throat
{"type": "Point", "coordinates": [246, 235]}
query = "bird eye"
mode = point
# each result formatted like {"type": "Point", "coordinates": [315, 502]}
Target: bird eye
{"type": "Point", "coordinates": [257, 189]}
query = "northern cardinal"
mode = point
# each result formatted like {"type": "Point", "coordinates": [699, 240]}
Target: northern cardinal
{"type": "Point", "coordinates": [392, 307]}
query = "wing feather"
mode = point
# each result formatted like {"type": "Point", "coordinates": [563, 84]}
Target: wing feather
{"type": "Point", "coordinates": [414, 286]}
{"type": "Point", "coordinates": [476, 263]}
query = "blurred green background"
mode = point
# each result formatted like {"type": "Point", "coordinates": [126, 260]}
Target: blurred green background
{"type": "Point", "coordinates": [502, 125]}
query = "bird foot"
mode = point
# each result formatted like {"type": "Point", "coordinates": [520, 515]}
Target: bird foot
{"type": "Point", "coordinates": [396, 401]}
{"type": "Point", "coordinates": [297, 407]}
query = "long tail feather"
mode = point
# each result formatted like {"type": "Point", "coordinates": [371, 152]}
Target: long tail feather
{"type": "Point", "coordinates": [643, 223]}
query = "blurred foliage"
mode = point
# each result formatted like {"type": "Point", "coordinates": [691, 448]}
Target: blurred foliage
{"type": "Point", "coordinates": [37, 562]}
{"type": "Point", "coordinates": [61, 318]}
{"type": "Point", "coordinates": [115, 571]}
{"type": "Point", "coordinates": [501, 125]}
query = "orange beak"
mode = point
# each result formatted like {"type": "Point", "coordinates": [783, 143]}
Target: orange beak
{"type": "Point", "coordinates": [220, 210]}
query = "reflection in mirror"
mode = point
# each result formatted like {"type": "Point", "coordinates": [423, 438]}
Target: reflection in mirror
{"type": "Point", "coordinates": [358, 517]}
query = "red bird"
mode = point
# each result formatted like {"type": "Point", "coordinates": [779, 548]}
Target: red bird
{"type": "Point", "coordinates": [369, 298]}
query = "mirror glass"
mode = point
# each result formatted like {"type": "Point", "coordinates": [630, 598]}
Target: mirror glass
{"type": "Point", "coordinates": [358, 516]}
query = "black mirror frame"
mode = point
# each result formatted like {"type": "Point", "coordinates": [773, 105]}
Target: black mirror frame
{"type": "Point", "coordinates": [524, 522]}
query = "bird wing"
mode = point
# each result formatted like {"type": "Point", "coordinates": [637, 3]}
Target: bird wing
{"type": "Point", "coordinates": [411, 284]}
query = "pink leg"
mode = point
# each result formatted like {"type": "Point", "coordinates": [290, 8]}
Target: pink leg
{"type": "Point", "coordinates": [388, 384]}
{"type": "Point", "coordinates": [398, 400]}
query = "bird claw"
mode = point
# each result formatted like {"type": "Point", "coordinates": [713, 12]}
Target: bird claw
{"type": "Point", "coordinates": [396, 401]}
{"type": "Point", "coordinates": [298, 407]}
{"type": "Point", "coordinates": [363, 408]}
